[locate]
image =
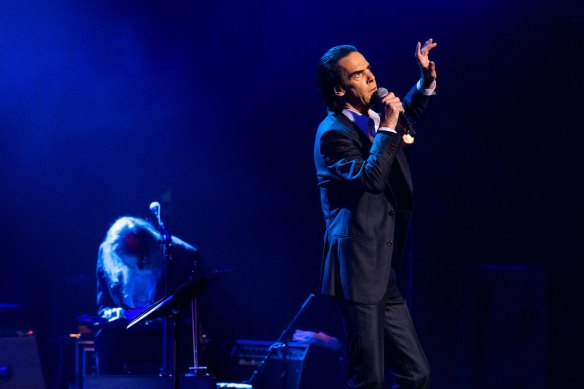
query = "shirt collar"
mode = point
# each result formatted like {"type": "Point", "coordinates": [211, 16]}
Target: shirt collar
{"type": "Point", "coordinates": [362, 121]}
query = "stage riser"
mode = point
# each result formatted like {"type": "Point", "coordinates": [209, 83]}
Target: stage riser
{"type": "Point", "coordinates": [124, 382]}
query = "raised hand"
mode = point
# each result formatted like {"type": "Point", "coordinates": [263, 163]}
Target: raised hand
{"type": "Point", "coordinates": [427, 67]}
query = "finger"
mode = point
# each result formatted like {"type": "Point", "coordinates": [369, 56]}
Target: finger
{"type": "Point", "coordinates": [390, 100]}
{"type": "Point", "coordinates": [394, 104]}
{"type": "Point", "coordinates": [397, 108]}
{"type": "Point", "coordinates": [418, 46]}
{"type": "Point", "coordinates": [428, 47]}
{"type": "Point", "coordinates": [392, 108]}
{"type": "Point", "coordinates": [429, 42]}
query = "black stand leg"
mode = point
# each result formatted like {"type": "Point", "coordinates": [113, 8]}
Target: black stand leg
{"type": "Point", "coordinates": [280, 343]}
{"type": "Point", "coordinates": [176, 329]}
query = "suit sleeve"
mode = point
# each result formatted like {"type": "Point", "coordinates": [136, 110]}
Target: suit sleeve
{"type": "Point", "coordinates": [342, 154]}
{"type": "Point", "coordinates": [415, 103]}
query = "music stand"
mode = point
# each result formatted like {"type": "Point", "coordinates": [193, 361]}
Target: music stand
{"type": "Point", "coordinates": [172, 306]}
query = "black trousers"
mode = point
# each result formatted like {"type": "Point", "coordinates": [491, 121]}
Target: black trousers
{"type": "Point", "coordinates": [383, 336]}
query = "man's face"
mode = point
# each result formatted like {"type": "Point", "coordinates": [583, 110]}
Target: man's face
{"type": "Point", "coordinates": [357, 83]}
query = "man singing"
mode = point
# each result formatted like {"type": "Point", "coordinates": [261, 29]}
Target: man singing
{"type": "Point", "coordinates": [366, 195]}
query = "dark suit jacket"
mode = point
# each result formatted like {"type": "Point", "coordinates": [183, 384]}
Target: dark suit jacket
{"type": "Point", "coordinates": [366, 196]}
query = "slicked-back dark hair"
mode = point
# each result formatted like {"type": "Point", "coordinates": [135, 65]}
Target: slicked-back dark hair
{"type": "Point", "coordinates": [329, 75]}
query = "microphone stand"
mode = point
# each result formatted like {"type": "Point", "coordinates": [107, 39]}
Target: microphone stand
{"type": "Point", "coordinates": [195, 370]}
{"type": "Point", "coordinates": [165, 242]}
{"type": "Point", "coordinates": [280, 343]}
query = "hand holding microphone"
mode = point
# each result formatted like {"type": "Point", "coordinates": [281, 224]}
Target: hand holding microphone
{"type": "Point", "coordinates": [391, 105]}
{"type": "Point", "coordinates": [394, 116]}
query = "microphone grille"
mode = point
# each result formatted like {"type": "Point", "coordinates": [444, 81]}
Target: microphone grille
{"type": "Point", "coordinates": [381, 93]}
{"type": "Point", "coordinates": [155, 207]}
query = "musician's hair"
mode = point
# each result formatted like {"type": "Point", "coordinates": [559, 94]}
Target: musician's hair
{"type": "Point", "coordinates": [130, 243]}
{"type": "Point", "coordinates": [329, 74]}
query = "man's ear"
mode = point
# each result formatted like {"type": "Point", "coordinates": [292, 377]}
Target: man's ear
{"type": "Point", "coordinates": [339, 91]}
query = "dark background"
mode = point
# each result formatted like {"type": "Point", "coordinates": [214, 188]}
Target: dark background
{"type": "Point", "coordinates": [210, 107]}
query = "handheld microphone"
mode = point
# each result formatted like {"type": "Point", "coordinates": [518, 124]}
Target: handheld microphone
{"type": "Point", "coordinates": [403, 120]}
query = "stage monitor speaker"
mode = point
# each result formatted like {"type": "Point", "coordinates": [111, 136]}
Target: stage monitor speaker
{"type": "Point", "coordinates": [20, 363]}
{"type": "Point", "coordinates": [247, 354]}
